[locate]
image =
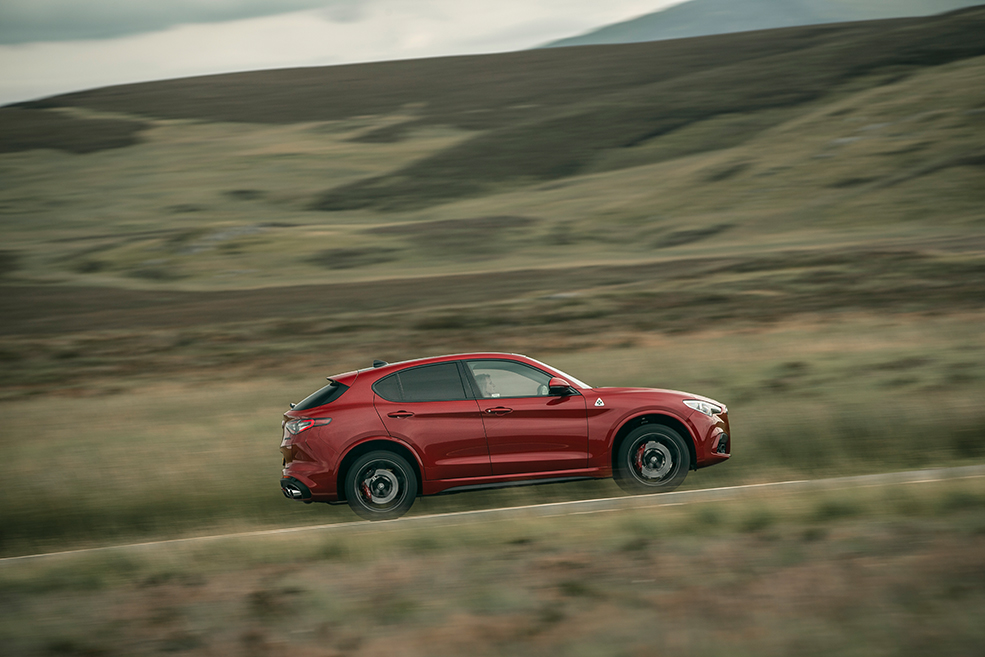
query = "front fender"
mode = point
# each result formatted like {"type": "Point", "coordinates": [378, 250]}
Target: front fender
{"type": "Point", "coordinates": [604, 429]}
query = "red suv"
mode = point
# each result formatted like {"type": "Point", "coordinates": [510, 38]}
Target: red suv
{"type": "Point", "coordinates": [379, 437]}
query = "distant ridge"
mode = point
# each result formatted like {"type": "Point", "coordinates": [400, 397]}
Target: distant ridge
{"type": "Point", "coordinates": [708, 17]}
{"type": "Point", "coordinates": [537, 115]}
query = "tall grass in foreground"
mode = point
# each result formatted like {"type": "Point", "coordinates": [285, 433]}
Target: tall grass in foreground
{"type": "Point", "coordinates": [889, 570]}
{"type": "Point", "coordinates": [187, 456]}
{"type": "Point", "coordinates": [164, 462]}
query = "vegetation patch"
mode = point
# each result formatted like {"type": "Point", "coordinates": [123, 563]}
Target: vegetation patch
{"type": "Point", "coordinates": [8, 262]}
{"type": "Point", "coordinates": [25, 129]}
{"type": "Point", "coordinates": [352, 258]}
{"type": "Point", "coordinates": [560, 142]}
{"type": "Point", "coordinates": [388, 134]}
{"type": "Point", "coordinates": [474, 237]}
{"type": "Point", "coordinates": [689, 236]}
{"type": "Point", "coordinates": [904, 574]}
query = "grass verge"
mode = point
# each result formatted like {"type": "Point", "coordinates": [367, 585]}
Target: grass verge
{"type": "Point", "coordinates": [152, 457]}
{"type": "Point", "coordinates": [883, 570]}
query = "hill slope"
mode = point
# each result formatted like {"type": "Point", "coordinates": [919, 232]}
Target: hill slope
{"type": "Point", "coordinates": [549, 114]}
{"type": "Point", "coordinates": [549, 159]}
{"type": "Point", "coordinates": [706, 17]}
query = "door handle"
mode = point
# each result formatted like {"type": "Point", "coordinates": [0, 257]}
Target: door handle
{"type": "Point", "coordinates": [499, 410]}
{"type": "Point", "coordinates": [400, 414]}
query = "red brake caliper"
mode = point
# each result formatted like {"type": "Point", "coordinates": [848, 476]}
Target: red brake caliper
{"type": "Point", "coordinates": [639, 457]}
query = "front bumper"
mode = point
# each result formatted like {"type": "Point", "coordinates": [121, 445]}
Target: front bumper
{"type": "Point", "coordinates": [714, 443]}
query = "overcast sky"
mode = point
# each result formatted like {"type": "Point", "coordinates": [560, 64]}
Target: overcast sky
{"type": "Point", "coordinates": [55, 46]}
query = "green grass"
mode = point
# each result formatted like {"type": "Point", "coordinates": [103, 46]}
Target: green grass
{"type": "Point", "coordinates": [885, 570]}
{"type": "Point", "coordinates": [567, 142]}
{"type": "Point", "coordinates": [194, 451]}
{"type": "Point", "coordinates": [24, 130]}
{"type": "Point", "coordinates": [805, 250]}
{"type": "Point", "coordinates": [887, 155]}
{"type": "Point", "coordinates": [154, 301]}
{"type": "Point", "coordinates": [544, 115]}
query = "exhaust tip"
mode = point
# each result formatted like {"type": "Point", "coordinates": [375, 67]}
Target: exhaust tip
{"type": "Point", "coordinates": [294, 489]}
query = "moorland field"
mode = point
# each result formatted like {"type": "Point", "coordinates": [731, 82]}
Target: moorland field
{"type": "Point", "coordinates": [789, 221]}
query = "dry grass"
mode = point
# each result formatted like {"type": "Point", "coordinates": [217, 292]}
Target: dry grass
{"type": "Point", "coordinates": [891, 570]}
{"type": "Point", "coordinates": [812, 260]}
{"type": "Point", "coordinates": [878, 163]}
{"type": "Point", "coordinates": [184, 439]}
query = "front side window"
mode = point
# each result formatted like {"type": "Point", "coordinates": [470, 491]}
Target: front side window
{"type": "Point", "coordinates": [506, 378]}
{"type": "Point", "coordinates": [440, 382]}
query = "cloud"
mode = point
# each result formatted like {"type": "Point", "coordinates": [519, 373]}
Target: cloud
{"type": "Point", "coordinates": [26, 21]}
{"type": "Point", "coordinates": [346, 11]}
{"type": "Point", "coordinates": [339, 32]}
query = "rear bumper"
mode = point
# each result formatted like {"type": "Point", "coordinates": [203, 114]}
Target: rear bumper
{"type": "Point", "coordinates": [313, 481]}
{"type": "Point", "coordinates": [294, 489]}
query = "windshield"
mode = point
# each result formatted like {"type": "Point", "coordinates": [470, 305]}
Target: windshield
{"type": "Point", "coordinates": [572, 380]}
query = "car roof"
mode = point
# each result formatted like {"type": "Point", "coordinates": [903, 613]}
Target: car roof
{"type": "Point", "coordinates": [391, 367]}
{"type": "Point", "coordinates": [375, 373]}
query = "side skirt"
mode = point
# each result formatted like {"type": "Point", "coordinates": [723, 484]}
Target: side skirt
{"type": "Point", "coordinates": [510, 484]}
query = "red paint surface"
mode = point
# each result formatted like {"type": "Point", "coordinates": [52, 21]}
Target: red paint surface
{"type": "Point", "coordinates": [487, 440]}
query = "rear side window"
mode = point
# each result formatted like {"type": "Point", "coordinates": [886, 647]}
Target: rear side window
{"type": "Point", "coordinates": [440, 382]}
{"type": "Point", "coordinates": [328, 394]}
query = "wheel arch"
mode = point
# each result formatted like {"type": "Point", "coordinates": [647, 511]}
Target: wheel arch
{"type": "Point", "coordinates": [370, 445]}
{"type": "Point", "coordinates": [655, 418]}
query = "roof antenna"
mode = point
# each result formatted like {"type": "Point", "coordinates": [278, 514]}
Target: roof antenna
{"type": "Point", "coordinates": [379, 363]}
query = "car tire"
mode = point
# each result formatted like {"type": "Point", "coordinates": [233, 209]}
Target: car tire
{"type": "Point", "coordinates": [652, 459]}
{"type": "Point", "coordinates": [380, 485]}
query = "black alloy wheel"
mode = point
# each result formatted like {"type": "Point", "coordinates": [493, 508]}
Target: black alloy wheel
{"type": "Point", "coordinates": [652, 459]}
{"type": "Point", "coordinates": [381, 485]}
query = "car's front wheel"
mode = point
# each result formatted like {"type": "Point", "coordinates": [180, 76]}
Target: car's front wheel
{"type": "Point", "coordinates": [652, 459]}
{"type": "Point", "coordinates": [380, 485]}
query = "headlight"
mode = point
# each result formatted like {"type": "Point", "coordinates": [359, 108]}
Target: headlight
{"type": "Point", "coordinates": [703, 407]}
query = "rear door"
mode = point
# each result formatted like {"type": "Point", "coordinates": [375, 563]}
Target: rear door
{"type": "Point", "coordinates": [528, 430]}
{"type": "Point", "coordinates": [428, 407]}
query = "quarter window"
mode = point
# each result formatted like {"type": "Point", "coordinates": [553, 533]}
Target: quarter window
{"type": "Point", "coordinates": [440, 382]}
{"type": "Point", "coordinates": [505, 378]}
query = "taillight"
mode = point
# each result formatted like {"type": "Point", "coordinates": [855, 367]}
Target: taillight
{"type": "Point", "coordinates": [302, 424]}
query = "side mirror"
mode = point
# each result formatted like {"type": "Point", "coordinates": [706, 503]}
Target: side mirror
{"type": "Point", "coordinates": [558, 387]}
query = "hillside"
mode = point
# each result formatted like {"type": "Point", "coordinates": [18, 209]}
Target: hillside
{"type": "Point", "coordinates": [706, 17]}
{"type": "Point", "coordinates": [789, 221]}
{"type": "Point", "coordinates": [595, 194]}
{"type": "Point", "coordinates": [548, 114]}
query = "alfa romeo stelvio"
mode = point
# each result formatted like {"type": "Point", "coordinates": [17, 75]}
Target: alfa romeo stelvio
{"type": "Point", "coordinates": [378, 437]}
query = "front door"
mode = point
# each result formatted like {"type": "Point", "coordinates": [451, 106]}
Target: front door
{"type": "Point", "coordinates": [527, 430]}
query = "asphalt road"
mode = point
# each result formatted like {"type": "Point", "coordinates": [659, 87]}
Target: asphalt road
{"type": "Point", "coordinates": [573, 508]}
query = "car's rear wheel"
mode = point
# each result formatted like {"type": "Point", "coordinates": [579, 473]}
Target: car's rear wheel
{"type": "Point", "coordinates": [380, 485]}
{"type": "Point", "coordinates": [652, 459]}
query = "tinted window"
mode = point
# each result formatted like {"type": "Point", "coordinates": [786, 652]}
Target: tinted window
{"type": "Point", "coordinates": [439, 382]}
{"type": "Point", "coordinates": [328, 394]}
{"type": "Point", "coordinates": [388, 388]}
{"type": "Point", "coordinates": [506, 378]}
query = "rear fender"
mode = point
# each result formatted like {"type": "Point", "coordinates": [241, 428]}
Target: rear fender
{"type": "Point", "coordinates": [361, 447]}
